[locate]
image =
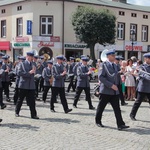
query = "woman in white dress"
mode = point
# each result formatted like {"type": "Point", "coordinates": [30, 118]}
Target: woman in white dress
{"type": "Point", "coordinates": [130, 80]}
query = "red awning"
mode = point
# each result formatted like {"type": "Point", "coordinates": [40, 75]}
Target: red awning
{"type": "Point", "coordinates": [4, 45]}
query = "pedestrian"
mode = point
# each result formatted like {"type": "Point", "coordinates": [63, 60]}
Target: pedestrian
{"type": "Point", "coordinates": [27, 85]}
{"type": "Point", "coordinates": [1, 89]}
{"type": "Point", "coordinates": [58, 86]}
{"type": "Point", "coordinates": [143, 87]}
{"type": "Point", "coordinates": [71, 74]}
{"type": "Point", "coordinates": [5, 77]}
{"type": "Point", "coordinates": [83, 83]}
{"type": "Point", "coordinates": [48, 79]}
{"type": "Point", "coordinates": [16, 93]}
{"type": "Point", "coordinates": [109, 93]}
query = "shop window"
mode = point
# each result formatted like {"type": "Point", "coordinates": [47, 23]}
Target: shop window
{"type": "Point", "coordinates": [133, 27]}
{"type": "Point", "coordinates": [144, 33]}
{"type": "Point", "coordinates": [46, 25]}
{"type": "Point", "coordinates": [19, 27]}
{"type": "Point", "coordinates": [121, 31]}
{"type": "Point", "coordinates": [133, 15]}
{"type": "Point", "coordinates": [3, 11]}
{"type": "Point", "coordinates": [3, 28]}
{"type": "Point", "coordinates": [121, 13]}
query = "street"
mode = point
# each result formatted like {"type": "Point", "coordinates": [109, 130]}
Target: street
{"type": "Point", "coordinates": [73, 131]}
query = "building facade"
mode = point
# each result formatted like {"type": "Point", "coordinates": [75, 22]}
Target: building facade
{"type": "Point", "coordinates": [45, 27]}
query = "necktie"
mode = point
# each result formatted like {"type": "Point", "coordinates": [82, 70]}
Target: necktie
{"type": "Point", "coordinates": [113, 65]}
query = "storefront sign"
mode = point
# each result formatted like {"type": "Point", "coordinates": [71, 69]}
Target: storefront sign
{"type": "Point", "coordinates": [29, 27]}
{"type": "Point", "coordinates": [75, 46]}
{"type": "Point", "coordinates": [137, 46]}
{"type": "Point", "coordinates": [55, 39]}
{"type": "Point", "coordinates": [4, 45]}
{"type": "Point", "coordinates": [46, 44]}
{"type": "Point", "coordinates": [21, 44]}
{"type": "Point", "coordinates": [22, 39]}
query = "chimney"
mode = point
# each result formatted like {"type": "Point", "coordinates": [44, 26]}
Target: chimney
{"type": "Point", "coordinates": [121, 1]}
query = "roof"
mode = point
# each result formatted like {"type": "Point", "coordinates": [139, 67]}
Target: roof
{"type": "Point", "coordinates": [7, 2]}
{"type": "Point", "coordinates": [108, 3]}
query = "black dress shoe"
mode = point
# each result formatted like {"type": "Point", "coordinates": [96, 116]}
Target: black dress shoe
{"type": "Point", "coordinates": [3, 106]}
{"type": "Point", "coordinates": [68, 110]}
{"type": "Point", "coordinates": [35, 117]}
{"type": "Point", "coordinates": [17, 115]}
{"type": "Point", "coordinates": [75, 106]}
{"type": "Point", "coordinates": [123, 127]}
{"type": "Point", "coordinates": [53, 110]}
{"type": "Point", "coordinates": [132, 118]}
{"type": "Point", "coordinates": [1, 120]}
{"type": "Point", "coordinates": [8, 99]}
{"type": "Point", "coordinates": [91, 107]}
{"type": "Point", "coordinates": [123, 104]}
{"type": "Point", "coordinates": [100, 125]}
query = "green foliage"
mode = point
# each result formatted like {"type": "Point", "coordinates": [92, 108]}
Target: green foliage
{"type": "Point", "coordinates": [94, 26]}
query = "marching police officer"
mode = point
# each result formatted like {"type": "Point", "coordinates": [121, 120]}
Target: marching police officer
{"type": "Point", "coordinates": [143, 87]}
{"type": "Point", "coordinates": [5, 77]}
{"type": "Point", "coordinates": [58, 86]}
{"type": "Point", "coordinates": [1, 89]}
{"type": "Point", "coordinates": [27, 85]}
{"type": "Point", "coordinates": [16, 94]}
{"type": "Point", "coordinates": [117, 61]}
{"type": "Point", "coordinates": [83, 83]}
{"type": "Point", "coordinates": [108, 76]}
{"type": "Point", "coordinates": [47, 76]}
{"type": "Point", "coordinates": [71, 74]}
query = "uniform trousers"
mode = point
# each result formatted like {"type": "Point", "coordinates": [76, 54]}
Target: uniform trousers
{"type": "Point", "coordinates": [30, 98]}
{"type": "Point", "coordinates": [87, 93]}
{"type": "Point", "coordinates": [71, 84]}
{"type": "Point", "coordinates": [114, 101]}
{"type": "Point", "coordinates": [5, 86]}
{"type": "Point", "coordinates": [1, 97]}
{"type": "Point", "coordinates": [16, 94]}
{"type": "Point", "coordinates": [46, 89]}
{"type": "Point", "coordinates": [61, 92]}
{"type": "Point", "coordinates": [140, 97]}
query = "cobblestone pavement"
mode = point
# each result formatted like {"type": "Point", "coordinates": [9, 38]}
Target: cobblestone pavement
{"type": "Point", "coordinates": [73, 131]}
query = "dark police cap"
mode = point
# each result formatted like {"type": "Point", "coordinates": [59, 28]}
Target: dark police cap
{"type": "Point", "coordinates": [41, 57]}
{"type": "Point", "coordinates": [30, 53]}
{"type": "Point", "coordinates": [147, 55]}
{"type": "Point", "coordinates": [110, 52]}
{"type": "Point", "coordinates": [50, 62]}
{"type": "Point", "coordinates": [117, 57]}
{"type": "Point", "coordinates": [2, 54]}
{"type": "Point", "coordinates": [60, 57]}
{"type": "Point", "coordinates": [85, 58]}
{"type": "Point", "coordinates": [36, 56]}
{"type": "Point", "coordinates": [22, 58]}
{"type": "Point", "coordinates": [5, 57]}
{"type": "Point", "coordinates": [71, 58]}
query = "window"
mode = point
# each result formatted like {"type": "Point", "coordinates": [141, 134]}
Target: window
{"type": "Point", "coordinates": [133, 15]}
{"type": "Point", "coordinates": [19, 8]}
{"type": "Point", "coordinates": [145, 16]}
{"type": "Point", "coordinates": [133, 27]}
{"type": "Point", "coordinates": [3, 28]}
{"type": "Point", "coordinates": [121, 13]}
{"type": "Point", "coordinates": [19, 26]}
{"type": "Point", "coordinates": [3, 11]}
{"type": "Point", "coordinates": [144, 33]}
{"type": "Point", "coordinates": [46, 26]}
{"type": "Point", "coordinates": [121, 31]}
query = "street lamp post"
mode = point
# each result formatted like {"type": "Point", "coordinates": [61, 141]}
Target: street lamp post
{"type": "Point", "coordinates": [132, 33]}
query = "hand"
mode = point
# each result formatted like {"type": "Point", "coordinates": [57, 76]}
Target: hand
{"type": "Point", "coordinates": [7, 70]}
{"type": "Point", "coordinates": [89, 72]}
{"type": "Point", "coordinates": [32, 71]}
{"type": "Point", "coordinates": [114, 87]}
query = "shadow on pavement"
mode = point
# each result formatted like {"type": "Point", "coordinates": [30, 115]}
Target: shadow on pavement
{"type": "Point", "coordinates": [20, 126]}
{"type": "Point", "coordinates": [60, 120]}
{"type": "Point", "coordinates": [83, 114]}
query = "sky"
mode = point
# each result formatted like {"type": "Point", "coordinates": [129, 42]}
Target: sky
{"type": "Point", "coordinates": [140, 2]}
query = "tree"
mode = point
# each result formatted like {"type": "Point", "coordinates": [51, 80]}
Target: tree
{"type": "Point", "coordinates": [94, 26]}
